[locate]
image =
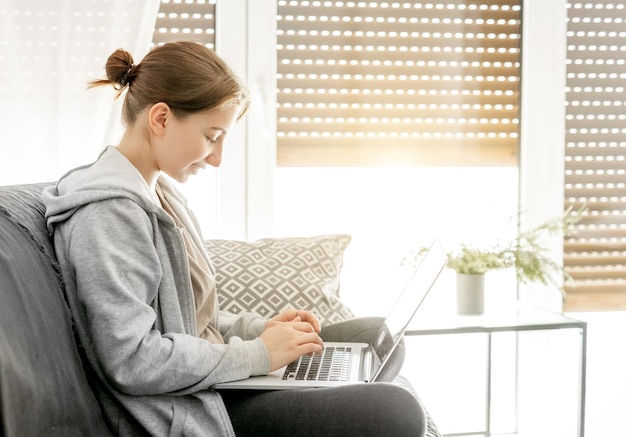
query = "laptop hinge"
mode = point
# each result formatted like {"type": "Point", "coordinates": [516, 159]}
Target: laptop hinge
{"type": "Point", "coordinates": [368, 364]}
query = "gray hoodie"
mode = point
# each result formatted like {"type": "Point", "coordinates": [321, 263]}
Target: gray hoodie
{"type": "Point", "coordinates": [128, 286]}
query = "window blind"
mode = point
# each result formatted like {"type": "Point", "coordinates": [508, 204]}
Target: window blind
{"type": "Point", "coordinates": [595, 154]}
{"type": "Point", "coordinates": [417, 83]}
{"type": "Point", "coordinates": [186, 20]}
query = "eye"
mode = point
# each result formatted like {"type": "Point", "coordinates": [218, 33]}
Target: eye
{"type": "Point", "coordinates": [211, 140]}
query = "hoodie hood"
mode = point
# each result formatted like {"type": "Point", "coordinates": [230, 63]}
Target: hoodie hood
{"type": "Point", "coordinates": [111, 176]}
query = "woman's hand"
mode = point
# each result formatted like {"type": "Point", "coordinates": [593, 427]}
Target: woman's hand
{"type": "Point", "coordinates": [292, 315]}
{"type": "Point", "coordinates": [288, 340]}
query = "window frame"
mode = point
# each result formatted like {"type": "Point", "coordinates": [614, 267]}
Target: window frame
{"type": "Point", "coordinates": [542, 124]}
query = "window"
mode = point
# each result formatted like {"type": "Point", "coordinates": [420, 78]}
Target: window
{"type": "Point", "coordinates": [595, 162]}
{"type": "Point", "coordinates": [191, 20]}
{"type": "Point", "coordinates": [421, 83]}
{"type": "Point", "coordinates": [376, 85]}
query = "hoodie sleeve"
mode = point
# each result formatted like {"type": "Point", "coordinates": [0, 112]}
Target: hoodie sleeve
{"type": "Point", "coordinates": [109, 246]}
{"type": "Point", "coordinates": [245, 325]}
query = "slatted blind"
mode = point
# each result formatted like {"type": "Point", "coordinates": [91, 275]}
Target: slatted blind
{"type": "Point", "coordinates": [186, 20]}
{"type": "Point", "coordinates": [595, 163]}
{"type": "Point", "coordinates": [411, 82]}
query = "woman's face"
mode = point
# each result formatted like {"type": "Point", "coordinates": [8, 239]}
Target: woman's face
{"type": "Point", "coordinates": [190, 144]}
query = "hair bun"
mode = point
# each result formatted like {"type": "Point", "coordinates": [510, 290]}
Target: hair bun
{"type": "Point", "coordinates": [120, 68]}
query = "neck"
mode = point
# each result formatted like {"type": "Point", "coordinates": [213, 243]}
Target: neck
{"type": "Point", "coordinates": [136, 148]}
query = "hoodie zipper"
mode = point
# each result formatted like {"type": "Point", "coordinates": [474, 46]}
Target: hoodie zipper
{"type": "Point", "coordinates": [225, 410]}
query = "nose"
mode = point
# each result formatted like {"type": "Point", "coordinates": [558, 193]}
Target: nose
{"type": "Point", "coordinates": [215, 157]}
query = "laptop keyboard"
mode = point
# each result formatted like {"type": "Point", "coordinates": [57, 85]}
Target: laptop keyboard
{"type": "Point", "coordinates": [333, 364]}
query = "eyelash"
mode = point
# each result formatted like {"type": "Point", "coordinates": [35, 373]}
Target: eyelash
{"type": "Point", "coordinates": [211, 140]}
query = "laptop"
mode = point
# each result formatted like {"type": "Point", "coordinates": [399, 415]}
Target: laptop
{"type": "Point", "coordinates": [352, 363]}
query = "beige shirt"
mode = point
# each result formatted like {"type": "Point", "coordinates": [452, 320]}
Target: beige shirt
{"type": "Point", "coordinates": [202, 281]}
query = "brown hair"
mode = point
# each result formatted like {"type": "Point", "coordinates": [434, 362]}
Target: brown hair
{"type": "Point", "coordinates": [185, 75]}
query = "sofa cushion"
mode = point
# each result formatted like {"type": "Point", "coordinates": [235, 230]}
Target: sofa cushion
{"type": "Point", "coordinates": [43, 388]}
{"type": "Point", "coordinates": [23, 204]}
{"type": "Point", "coordinates": [272, 274]}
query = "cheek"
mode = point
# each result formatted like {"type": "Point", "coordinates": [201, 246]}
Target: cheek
{"type": "Point", "coordinates": [189, 147]}
{"type": "Point", "coordinates": [186, 146]}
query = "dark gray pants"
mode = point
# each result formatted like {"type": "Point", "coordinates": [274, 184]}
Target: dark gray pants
{"type": "Point", "coordinates": [376, 409]}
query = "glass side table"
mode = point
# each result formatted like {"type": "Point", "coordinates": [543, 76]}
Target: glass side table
{"type": "Point", "coordinates": [516, 320]}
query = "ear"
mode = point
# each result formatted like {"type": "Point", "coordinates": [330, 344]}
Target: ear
{"type": "Point", "coordinates": [158, 117]}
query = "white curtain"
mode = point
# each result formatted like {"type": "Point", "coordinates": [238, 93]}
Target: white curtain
{"type": "Point", "coordinates": [49, 50]}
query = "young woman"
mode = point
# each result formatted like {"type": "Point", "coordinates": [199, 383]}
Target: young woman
{"type": "Point", "coordinates": [141, 286]}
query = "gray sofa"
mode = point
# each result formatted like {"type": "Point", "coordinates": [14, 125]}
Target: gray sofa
{"type": "Point", "coordinates": [44, 390]}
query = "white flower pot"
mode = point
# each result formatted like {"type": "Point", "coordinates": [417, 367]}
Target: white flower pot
{"type": "Point", "coordinates": [470, 294]}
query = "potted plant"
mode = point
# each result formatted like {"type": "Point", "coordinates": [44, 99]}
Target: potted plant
{"type": "Point", "coordinates": [527, 254]}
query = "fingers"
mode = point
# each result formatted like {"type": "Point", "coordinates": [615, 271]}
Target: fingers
{"type": "Point", "coordinates": [307, 344]}
{"type": "Point", "coordinates": [306, 328]}
{"type": "Point", "coordinates": [288, 341]}
{"type": "Point", "coordinates": [292, 315]}
{"type": "Point", "coordinates": [309, 349]}
{"type": "Point", "coordinates": [289, 315]}
{"type": "Point", "coordinates": [312, 345]}
{"type": "Point", "coordinates": [308, 316]}
{"type": "Point", "coordinates": [284, 316]}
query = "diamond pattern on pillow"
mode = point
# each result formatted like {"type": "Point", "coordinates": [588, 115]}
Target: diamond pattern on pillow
{"type": "Point", "coordinates": [273, 274]}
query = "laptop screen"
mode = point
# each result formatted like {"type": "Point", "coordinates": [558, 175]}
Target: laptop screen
{"type": "Point", "coordinates": [402, 312]}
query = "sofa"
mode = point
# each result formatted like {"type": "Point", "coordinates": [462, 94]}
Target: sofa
{"type": "Point", "coordinates": [44, 390]}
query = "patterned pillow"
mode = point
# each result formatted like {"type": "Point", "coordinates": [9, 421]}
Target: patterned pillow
{"type": "Point", "coordinates": [273, 274]}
